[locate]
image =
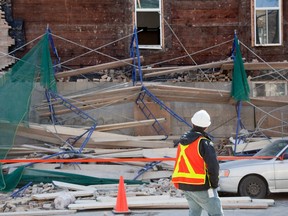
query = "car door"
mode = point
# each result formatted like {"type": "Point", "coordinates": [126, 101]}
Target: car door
{"type": "Point", "coordinates": [281, 173]}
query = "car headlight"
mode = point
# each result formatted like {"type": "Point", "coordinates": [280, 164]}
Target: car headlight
{"type": "Point", "coordinates": [224, 173]}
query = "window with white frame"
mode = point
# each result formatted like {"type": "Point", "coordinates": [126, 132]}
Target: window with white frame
{"type": "Point", "coordinates": [263, 89]}
{"type": "Point", "coordinates": [148, 22]}
{"type": "Point", "coordinates": [267, 22]}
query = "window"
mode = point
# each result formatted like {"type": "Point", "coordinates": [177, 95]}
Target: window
{"type": "Point", "coordinates": [148, 22]}
{"type": "Point", "coordinates": [267, 22]}
{"type": "Point", "coordinates": [261, 89]}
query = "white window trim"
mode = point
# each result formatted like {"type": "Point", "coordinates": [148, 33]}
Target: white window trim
{"type": "Point", "coordinates": [280, 8]}
{"type": "Point", "coordinates": [159, 10]}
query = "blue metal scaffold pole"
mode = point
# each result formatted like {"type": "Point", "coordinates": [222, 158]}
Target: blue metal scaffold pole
{"type": "Point", "coordinates": [134, 52]}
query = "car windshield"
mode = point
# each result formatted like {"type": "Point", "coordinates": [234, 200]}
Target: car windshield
{"type": "Point", "coordinates": [272, 149]}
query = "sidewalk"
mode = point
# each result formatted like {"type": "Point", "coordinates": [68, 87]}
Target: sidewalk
{"type": "Point", "coordinates": [280, 209]}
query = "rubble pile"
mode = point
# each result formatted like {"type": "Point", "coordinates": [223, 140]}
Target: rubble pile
{"type": "Point", "coordinates": [28, 199]}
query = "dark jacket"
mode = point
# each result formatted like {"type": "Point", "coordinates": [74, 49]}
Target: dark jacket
{"type": "Point", "coordinates": [208, 153]}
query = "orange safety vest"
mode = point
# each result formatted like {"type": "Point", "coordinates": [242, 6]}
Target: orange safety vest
{"type": "Point", "coordinates": [190, 168]}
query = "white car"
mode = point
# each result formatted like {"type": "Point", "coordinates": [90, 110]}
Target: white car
{"type": "Point", "coordinates": [257, 177]}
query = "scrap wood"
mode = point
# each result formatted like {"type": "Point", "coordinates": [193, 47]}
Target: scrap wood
{"type": "Point", "coordinates": [95, 68]}
{"type": "Point", "coordinates": [104, 152]}
{"type": "Point", "coordinates": [188, 68]}
{"type": "Point", "coordinates": [158, 202]}
{"type": "Point", "coordinates": [91, 100]}
{"type": "Point", "coordinates": [129, 172]}
{"type": "Point", "coordinates": [163, 92]}
{"type": "Point", "coordinates": [258, 66]}
{"type": "Point", "coordinates": [102, 94]}
{"type": "Point", "coordinates": [60, 110]}
{"type": "Point", "coordinates": [191, 94]}
{"type": "Point", "coordinates": [245, 205]}
{"type": "Point", "coordinates": [71, 186]}
{"type": "Point", "coordinates": [59, 134]}
{"type": "Point", "coordinates": [133, 153]}
{"type": "Point", "coordinates": [108, 127]}
{"type": "Point", "coordinates": [49, 196]}
{"type": "Point", "coordinates": [100, 136]}
{"type": "Point", "coordinates": [153, 137]}
{"type": "Point", "coordinates": [22, 150]}
{"type": "Point", "coordinates": [93, 95]}
{"type": "Point", "coordinates": [112, 188]}
{"type": "Point", "coordinates": [41, 149]}
{"type": "Point", "coordinates": [133, 202]}
{"type": "Point", "coordinates": [156, 69]}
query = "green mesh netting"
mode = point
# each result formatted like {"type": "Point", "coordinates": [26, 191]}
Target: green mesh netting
{"type": "Point", "coordinates": [47, 176]}
{"type": "Point", "coordinates": [240, 87]}
{"type": "Point", "coordinates": [15, 94]}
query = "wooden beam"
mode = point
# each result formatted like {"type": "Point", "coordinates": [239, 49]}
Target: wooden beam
{"type": "Point", "coordinates": [187, 68]}
{"type": "Point", "coordinates": [58, 134]}
{"type": "Point", "coordinates": [94, 68]}
{"type": "Point", "coordinates": [71, 186]}
{"type": "Point", "coordinates": [127, 124]}
{"type": "Point", "coordinates": [60, 109]}
{"type": "Point", "coordinates": [157, 69]}
{"type": "Point", "coordinates": [92, 100]}
{"type": "Point", "coordinates": [49, 196]}
{"type": "Point", "coordinates": [258, 66]}
{"type": "Point", "coordinates": [159, 202]}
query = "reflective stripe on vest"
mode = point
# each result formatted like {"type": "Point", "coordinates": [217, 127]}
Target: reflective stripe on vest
{"type": "Point", "coordinates": [189, 168]}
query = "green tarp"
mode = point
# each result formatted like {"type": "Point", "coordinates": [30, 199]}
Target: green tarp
{"type": "Point", "coordinates": [16, 88]}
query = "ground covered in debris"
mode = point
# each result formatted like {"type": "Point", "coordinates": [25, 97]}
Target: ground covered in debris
{"type": "Point", "coordinates": [30, 200]}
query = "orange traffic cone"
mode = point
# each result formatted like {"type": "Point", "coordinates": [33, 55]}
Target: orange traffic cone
{"type": "Point", "coordinates": [121, 203]}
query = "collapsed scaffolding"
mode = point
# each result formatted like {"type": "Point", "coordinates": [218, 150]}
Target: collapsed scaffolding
{"type": "Point", "coordinates": [52, 95]}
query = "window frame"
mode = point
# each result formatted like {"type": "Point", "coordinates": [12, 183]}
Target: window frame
{"type": "Point", "coordinates": [267, 85]}
{"type": "Point", "coordinates": [254, 12]}
{"type": "Point", "coordinates": [159, 10]}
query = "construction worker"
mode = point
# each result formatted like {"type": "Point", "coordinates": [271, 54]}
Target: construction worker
{"type": "Point", "coordinates": [196, 170]}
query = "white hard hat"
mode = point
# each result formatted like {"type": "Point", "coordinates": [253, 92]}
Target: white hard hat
{"type": "Point", "coordinates": [201, 119]}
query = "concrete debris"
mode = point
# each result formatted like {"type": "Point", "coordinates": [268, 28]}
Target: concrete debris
{"type": "Point", "coordinates": [161, 189]}
{"type": "Point", "coordinates": [63, 200]}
